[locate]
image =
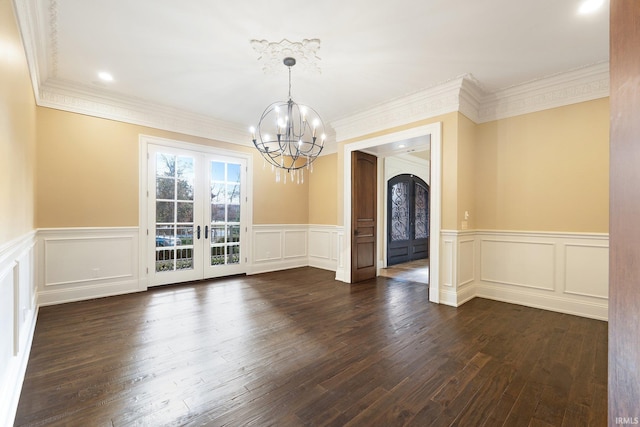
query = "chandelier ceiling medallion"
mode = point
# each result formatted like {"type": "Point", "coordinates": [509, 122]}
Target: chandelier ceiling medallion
{"type": "Point", "coordinates": [289, 136]}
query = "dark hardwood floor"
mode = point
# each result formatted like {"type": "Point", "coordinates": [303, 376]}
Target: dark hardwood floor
{"type": "Point", "coordinates": [298, 348]}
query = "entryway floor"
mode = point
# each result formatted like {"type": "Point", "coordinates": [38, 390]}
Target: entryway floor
{"type": "Point", "coordinates": [415, 271]}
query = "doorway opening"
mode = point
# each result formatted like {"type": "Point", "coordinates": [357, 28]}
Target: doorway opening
{"type": "Point", "coordinates": [432, 132]}
{"type": "Point", "coordinates": [194, 212]}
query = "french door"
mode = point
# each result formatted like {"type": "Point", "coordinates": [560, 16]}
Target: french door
{"type": "Point", "coordinates": [196, 209]}
{"type": "Point", "coordinates": [407, 219]}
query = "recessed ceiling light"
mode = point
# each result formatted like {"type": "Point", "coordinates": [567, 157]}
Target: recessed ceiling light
{"type": "Point", "coordinates": [105, 77]}
{"type": "Point", "coordinates": [590, 6]}
{"type": "Point", "coordinates": [401, 146]}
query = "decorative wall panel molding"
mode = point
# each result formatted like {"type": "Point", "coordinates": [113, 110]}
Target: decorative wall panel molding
{"type": "Point", "coordinates": [565, 272]}
{"type": "Point", "coordinates": [267, 244]}
{"type": "Point", "coordinates": [18, 313]}
{"type": "Point", "coordinates": [586, 270]}
{"type": "Point", "coordinates": [448, 261]}
{"type": "Point", "coordinates": [281, 246]}
{"type": "Point", "coordinates": [518, 263]}
{"type": "Point", "coordinates": [82, 263]}
{"type": "Point", "coordinates": [295, 243]}
{"type": "Point", "coordinates": [457, 266]}
{"type": "Point", "coordinates": [466, 264]}
{"type": "Point", "coordinates": [324, 246]}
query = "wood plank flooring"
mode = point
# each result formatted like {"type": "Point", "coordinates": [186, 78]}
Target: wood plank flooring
{"type": "Point", "coordinates": [296, 348]}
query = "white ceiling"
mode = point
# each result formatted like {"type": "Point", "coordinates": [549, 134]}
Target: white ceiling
{"type": "Point", "coordinates": [195, 55]}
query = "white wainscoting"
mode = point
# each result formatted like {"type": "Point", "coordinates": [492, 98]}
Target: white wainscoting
{"type": "Point", "coordinates": [325, 246]}
{"type": "Point", "coordinates": [76, 264]}
{"type": "Point", "coordinates": [457, 267]}
{"type": "Point", "coordinates": [82, 263]}
{"type": "Point", "coordinates": [281, 246]}
{"type": "Point", "coordinates": [18, 313]}
{"type": "Point", "coordinates": [564, 272]}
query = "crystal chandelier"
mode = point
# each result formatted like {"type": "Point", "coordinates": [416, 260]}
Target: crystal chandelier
{"type": "Point", "coordinates": [289, 136]}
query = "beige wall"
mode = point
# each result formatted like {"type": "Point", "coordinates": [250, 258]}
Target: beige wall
{"type": "Point", "coordinates": [467, 142]}
{"type": "Point", "coordinates": [323, 201]}
{"type": "Point", "coordinates": [17, 132]}
{"type": "Point", "coordinates": [87, 174]}
{"type": "Point", "coordinates": [545, 171]}
{"type": "Point", "coordinates": [278, 203]}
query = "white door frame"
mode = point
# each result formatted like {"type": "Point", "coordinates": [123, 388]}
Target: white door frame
{"type": "Point", "coordinates": [143, 168]}
{"type": "Point", "coordinates": [435, 131]}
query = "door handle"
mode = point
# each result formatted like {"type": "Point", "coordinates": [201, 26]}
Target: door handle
{"type": "Point", "coordinates": [206, 231]}
{"type": "Point", "coordinates": [355, 232]}
{"type": "Point", "coordinates": [198, 232]}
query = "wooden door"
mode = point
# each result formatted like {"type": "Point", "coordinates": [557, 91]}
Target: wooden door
{"type": "Point", "coordinates": [407, 219]}
{"type": "Point", "coordinates": [364, 173]}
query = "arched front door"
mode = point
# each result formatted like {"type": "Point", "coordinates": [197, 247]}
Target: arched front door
{"type": "Point", "coordinates": [407, 219]}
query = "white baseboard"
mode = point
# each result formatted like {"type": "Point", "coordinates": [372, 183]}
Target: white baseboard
{"type": "Point", "coordinates": [86, 291]}
{"type": "Point", "coordinates": [276, 265]}
{"type": "Point", "coordinates": [552, 302]}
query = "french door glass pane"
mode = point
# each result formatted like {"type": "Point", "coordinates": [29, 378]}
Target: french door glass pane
{"type": "Point", "coordinates": [174, 212]}
{"type": "Point", "coordinates": [400, 212]}
{"type": "Point", "coordinates": [225, 193]}
{"type": "Point", "coordinates": [233, 256]}
{"type": "Point", "coordinates": [421, 216]}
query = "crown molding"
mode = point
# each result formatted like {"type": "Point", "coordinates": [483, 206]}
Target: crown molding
{"type": "Point", "coordinates": [94, 102]}
{"type": "Point", "coordinates": [579, 85]}
{"type": "Point", "coordinates": [463, 94]}
{"type": "Point", "coordinates": [431, 102]}
{"type": "Point", "coordinates": [466, 95]}
{"type": "Point", "coordinates": [471, 94]}
{"type": "Point", "coordinates": [30, 21]}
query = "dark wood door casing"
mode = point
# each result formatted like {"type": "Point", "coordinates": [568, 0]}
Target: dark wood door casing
{"type": "Point", "coordinates": [364, 189]}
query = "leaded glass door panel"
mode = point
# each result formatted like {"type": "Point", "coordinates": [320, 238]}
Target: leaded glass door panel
{"type": "Point", "coordinates": [407, 219]}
